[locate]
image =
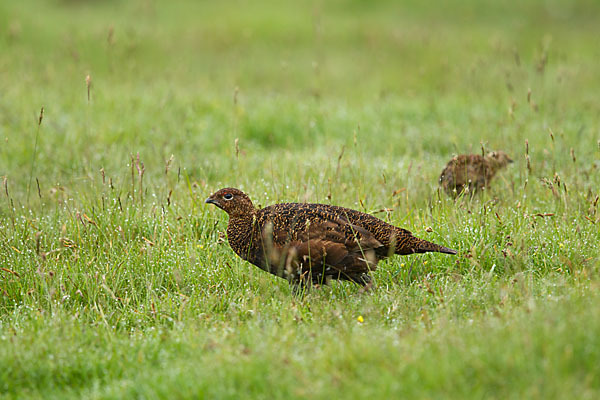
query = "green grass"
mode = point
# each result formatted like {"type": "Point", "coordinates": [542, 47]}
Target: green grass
{"type": "Point", "coordinates": [115, 283]}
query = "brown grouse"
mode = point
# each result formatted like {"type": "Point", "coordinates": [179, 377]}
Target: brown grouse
{"type": "Point", "coordinates": [312, 243]}
{"type": "Point", "coordinates": [469, 173]}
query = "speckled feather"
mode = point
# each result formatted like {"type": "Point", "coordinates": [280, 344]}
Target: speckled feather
{"type": "Point", "coordinates": [301, 241]}
{"type": "Point", "coordinates": [471, 173]}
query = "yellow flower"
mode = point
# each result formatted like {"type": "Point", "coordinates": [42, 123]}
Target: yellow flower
{"type": "Point", "coordinates": [402, 265]}
{"type": "Point", "coordinates": [360, 319]}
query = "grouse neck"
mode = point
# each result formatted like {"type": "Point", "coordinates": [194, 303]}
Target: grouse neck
{"type": "Point", "coordinates": [239, 232]}
{"type": "Point", "coordinates": [495, 163]}
{"type": "Point", "coordinates": [243, 219]}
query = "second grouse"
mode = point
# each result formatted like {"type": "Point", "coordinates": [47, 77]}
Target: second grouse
{"type": "Point", "coordinates": [470, 173]}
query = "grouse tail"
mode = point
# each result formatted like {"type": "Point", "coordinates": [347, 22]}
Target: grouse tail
{"type": "Point", "coordinates": [423, 246]}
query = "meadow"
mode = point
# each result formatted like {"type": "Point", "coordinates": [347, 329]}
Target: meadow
{"type": "Point", "coordinates": [116, 280]}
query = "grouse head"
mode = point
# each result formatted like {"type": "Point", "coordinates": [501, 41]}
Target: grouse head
{"type": "Point", "coordinates": [233, 201]}
{"type": "Point", "coordinates": [499, 158]}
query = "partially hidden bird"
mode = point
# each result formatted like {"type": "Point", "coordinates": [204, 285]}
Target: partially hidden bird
{"type": "Point", "coordinates": [310, 244]}
{"type": "Point", "coordinates": [470, 173]}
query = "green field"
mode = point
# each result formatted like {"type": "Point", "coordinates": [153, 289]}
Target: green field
{"type": "Point", "coordinates": [115, 278]}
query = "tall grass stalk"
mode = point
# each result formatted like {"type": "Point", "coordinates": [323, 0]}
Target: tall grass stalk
{"type": "Point", "coordinates": [34, 155]}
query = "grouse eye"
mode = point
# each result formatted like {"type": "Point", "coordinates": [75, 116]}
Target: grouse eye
{"type": "Point", "coordinates": [228, 196]}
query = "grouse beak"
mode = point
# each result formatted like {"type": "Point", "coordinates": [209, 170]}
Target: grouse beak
{"type": "Point", "coordinates": [210, 200]}
{"type": "Point", "coordinates": [510, 161]}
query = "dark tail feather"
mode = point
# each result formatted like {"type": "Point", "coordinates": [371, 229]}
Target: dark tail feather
{"type": "Point", "coordinates": [423, 246]}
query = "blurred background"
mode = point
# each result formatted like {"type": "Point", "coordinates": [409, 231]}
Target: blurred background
{"type": "Point", "coordinates": [402, 81]}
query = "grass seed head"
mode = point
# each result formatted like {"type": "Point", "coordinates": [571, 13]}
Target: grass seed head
{"type": "Point", "coordinates": [88, 84]}
{"type": "Point", "coordinates": [41, 117]}
{"type": "Point", "coordinates": [110, 39]}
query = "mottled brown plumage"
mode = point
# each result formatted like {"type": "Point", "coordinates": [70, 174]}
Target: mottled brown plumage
{"type": "Point", "coordinates": [313, 242]}
{"type": "Point", "coordinates": [470, 173]}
